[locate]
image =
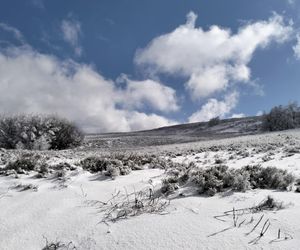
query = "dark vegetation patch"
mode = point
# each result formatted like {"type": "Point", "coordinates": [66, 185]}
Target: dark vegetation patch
{"type": "Point", "coordinates": [37, 132]}
{"type": "Point", "coordinates": [24, 187]}
{"type": "Point", "coordinates": [29, 162]}
{"type": "Point", "coordinates": [282, 118]}
{"type": "Point", "coordinates": [122, 164]}
{"type": "Point", "coordinates": [220, 178]}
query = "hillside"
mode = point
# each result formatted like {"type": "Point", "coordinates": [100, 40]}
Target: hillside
{"type": "Point", "coordinates": [181, 133]}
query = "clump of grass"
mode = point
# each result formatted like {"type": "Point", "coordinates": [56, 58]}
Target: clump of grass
{"type": "Point", "coordinates": [58, 245]}
{"type": "Point", "coordinates": [24, 187]}
{"type": "Point", "coordinates": [269, 204]}
{"type": "Point", "coordinates": [124, 205]}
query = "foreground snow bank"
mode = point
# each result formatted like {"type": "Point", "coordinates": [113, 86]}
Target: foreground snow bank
{"type": "Point", "coordinates": [36, 211]}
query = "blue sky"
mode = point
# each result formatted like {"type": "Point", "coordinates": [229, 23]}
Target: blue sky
{"type": "Point", "coordinates": [134, 64]}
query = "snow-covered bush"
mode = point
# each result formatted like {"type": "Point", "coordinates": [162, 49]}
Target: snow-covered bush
{"type": "Point", "coordinates": [169, 185]}
{"type": "Point", "coordinates": [269, 177]}
{"type": "Point", "coordinates": [212, 180]}
{"type": "Point", "coordinates": [115, 168]}
{"type": "Point", "coordinates": [94, 164]}
{"type": "Point", "coordinates": [124, 161]}
{"type": "Point", "coordinates": [110, 167]}
{"type": "Point", "coordinates": [240, 181]}
{"type": "Point", "coordinates": [282, 118]}
{"type": "Point", "coordinates": [22, 164]}
{"type": "Point", "coordinates": [38, 132]}
{"type": "Point", "coordinates": [220, 178]}
{"type": "Point", "coordinates": [112, 171]}
{"type": "Point", "coordinates": [43, 170]}
{"type": "Point", "coordinates": [63, 134]}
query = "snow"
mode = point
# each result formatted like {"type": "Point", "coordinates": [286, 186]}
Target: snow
{"type": "Point", "coordinates": [62, 214]}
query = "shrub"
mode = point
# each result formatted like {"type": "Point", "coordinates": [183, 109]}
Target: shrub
{"type": "Point", "coordinates": [241, 181]}
{"type": "Point", "coordinates": [212, 180]}
{"type": "Point", "coordinates": [43, 170]}
{"type": "Point", "coordinates": [38, 132]}
{"type": "Point", "coordinates": [168, 187]}
{"type": "Point", "coordinates": [110, 167]}
{"type": "Point", "coordinates": [63, 166]}
{"type": "Point", "coordinates": [9, 132]}
{"type": "Point", "coordinates": [269, 177]}
{"type": "Point", "coordinates": [124, 170]}
{"type": "Point", "coordinates": [134, 166]}
{"type": "Point", "coordinates": [275, 178]}
{"type": "Point", "coordinates": [63, 134]}
{"type": "Point", "coordinates": [213, 121]}
{"type": "Point", "coordinates": [112, 171]}
{"type": "Point", "coordinates": [22, 164]}
{"type": "Point", "coordinates": [218, 178]}
{"type": "Point", "coordinates": [124, 162]}
{"type": "Point", "coordinates": [94, 164]}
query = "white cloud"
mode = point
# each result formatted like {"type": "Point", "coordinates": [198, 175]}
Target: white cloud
{"type": "Point", "coordinates": [142, 121]}
{"type": "Point", "coordinates": [14, 31]}
{"type": "Point", "coordinates": [71, 30]}
{"type": "Point", "coordinates": [291, 2]}
{"type": "Point", "coordinates": [38, 3]}
{"type": "Point", "coordinates": [296, 48]}
{"type": "Point", "coordinates": [139, 94]}
{"type": "Point", "coordinates": [259, 113]}
{"type": "Point", "coordinates": [240, 115]}
{"type": "Point", "coordinates": [211, 59]}
{"type": "Point", "coordinates": [214, 108]}
{"type": "Point", "coordinates": [32, 82]}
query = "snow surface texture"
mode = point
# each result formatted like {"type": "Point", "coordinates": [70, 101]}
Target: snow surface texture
{"type": "Point", "coordinates": [63, 210]}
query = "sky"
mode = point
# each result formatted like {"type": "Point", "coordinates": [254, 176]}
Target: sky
{"type": "Point", "coordinates": [116, 66]}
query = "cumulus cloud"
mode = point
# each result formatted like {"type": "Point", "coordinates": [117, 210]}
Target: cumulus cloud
{"type": "Point", "coordinates": [143, 121]}
{"type": "Point", "coordinates": [259, 113]}
{"type": "Point", "coordinates": [214, 108]}
{"type": "Point", "coordinates": [296, 48]}
{"type": "Point", "coordinates": [291, 2]}
{"type": "Point", "coordinates": [71, 30]}
{"type": "Point", "coordinates": [38, 3]}
{"type": "Point", "coordinates": [210, 59]}
{"type": "Point", "coordinates": [139, 94]}
{"type": "Point", "coordinates": [14, 31]}
{"type": "Point", "coordinates": [32, 82]}
{"type": "Point", "coordinates": [239, 115]}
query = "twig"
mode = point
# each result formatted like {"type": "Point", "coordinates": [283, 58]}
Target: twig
{"type": "Point", "coordinates": [265, 228]}
{"type": "Point", "coordinates": [235, 217]}
{"type": "Point", "coordinates": [82, 192]}
{"type": "Point", "coordinates": [242, 223]}
{"type": "Point", "coordinates": [256, 225]}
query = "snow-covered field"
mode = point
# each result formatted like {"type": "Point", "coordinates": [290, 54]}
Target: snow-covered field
{"type": "Point", "coordinates": [69, 210]}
